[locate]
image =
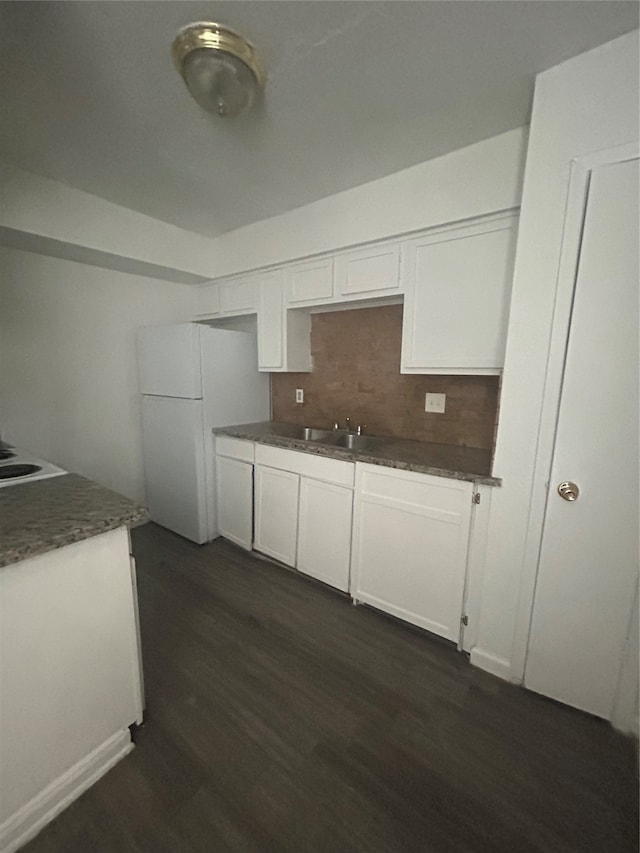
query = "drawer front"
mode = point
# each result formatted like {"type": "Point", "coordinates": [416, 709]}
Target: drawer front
{"type": "Point", "coordinates": [422, 493]}
{"type": "Point", "coordinates": [306, 464]}
{"type": "Point", "coordinates": [235, 448]}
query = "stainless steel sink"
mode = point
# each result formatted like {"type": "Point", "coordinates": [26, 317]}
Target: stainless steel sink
{"type": "Point", "coordinates": [313, 434]}
{"type": "Point", "coordinates": [353, 441]}
{"type": "Point", "coordinates": [336, 438]}
{"type": "Point", "coordinates": [326, 436]}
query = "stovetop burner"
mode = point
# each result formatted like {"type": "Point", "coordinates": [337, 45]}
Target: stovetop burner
{"type": "Point", "coordinates": [8, 472]}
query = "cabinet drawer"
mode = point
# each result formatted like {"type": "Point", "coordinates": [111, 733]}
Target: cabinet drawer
{"type": "Point", "coordinates": [235, 448]}
{"type": "Point", "coordinates": [411, 490]}
{"type": "Point", "coordinates": [308, 465]}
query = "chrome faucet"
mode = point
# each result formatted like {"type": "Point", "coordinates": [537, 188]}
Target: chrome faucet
{"type": "Point", "coordinates": [347, 424]}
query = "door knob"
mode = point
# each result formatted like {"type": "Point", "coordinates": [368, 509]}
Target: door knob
{"type": "Point", "coordinates": [568, 490]}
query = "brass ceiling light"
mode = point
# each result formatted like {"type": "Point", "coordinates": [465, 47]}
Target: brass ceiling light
{"type": "Point", "coordinates": [222, 69]}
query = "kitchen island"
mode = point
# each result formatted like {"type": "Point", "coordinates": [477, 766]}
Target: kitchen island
{"type": "Point", "coordinates": [70, 673]}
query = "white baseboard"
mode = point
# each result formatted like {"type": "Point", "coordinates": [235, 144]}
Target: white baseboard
{"type": "Point", "coordinates": [498, 666]}
{"type": "Point", "coordinates": [38, 812]}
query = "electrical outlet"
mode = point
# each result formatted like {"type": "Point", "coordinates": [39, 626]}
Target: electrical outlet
{"type": "Point", "coordinates": [299, 395]}
{"type": "Point", "coordinates": [434, 403]}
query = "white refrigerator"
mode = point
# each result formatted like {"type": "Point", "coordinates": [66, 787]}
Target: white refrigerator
{"type": "Point", "coordinates": [193, 378]}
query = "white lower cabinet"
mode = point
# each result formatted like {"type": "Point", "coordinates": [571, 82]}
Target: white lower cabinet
{"type": "Point", "coordinates": [234, 493]}
{"type": "Point", "coordinates": [397, 540]}
{"type": "Point", "coordinates": [234, 489]}
{"type": "Point", "coordinates": [410, 544]}
{"type": "Point", "coordinates": [276, 513]}
{"type": "Point", "coordinates": [303, 512]}
{"type": "Point", "coordinates": [324, 532]}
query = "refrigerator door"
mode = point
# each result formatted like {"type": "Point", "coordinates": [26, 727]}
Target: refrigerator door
{"type": "Point", "coordinates": [174, 465]}
{"type": "Point", "coordinates": [169, 360]}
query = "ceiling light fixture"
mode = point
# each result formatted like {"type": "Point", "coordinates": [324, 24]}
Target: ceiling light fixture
{"type": "Point", "coordinates": [222, 69]}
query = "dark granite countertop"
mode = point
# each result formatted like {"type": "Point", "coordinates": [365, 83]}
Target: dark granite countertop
{"type": "Point", "coordinates": [47, 514]}
{"type": "Point", "coordinates": [440, 460]}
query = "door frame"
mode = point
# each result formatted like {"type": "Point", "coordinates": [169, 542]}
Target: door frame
{"type": "Point", "coordinates": [580, 169]}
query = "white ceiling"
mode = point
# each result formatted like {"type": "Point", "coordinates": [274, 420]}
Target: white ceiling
{"type": "Point", "coordinates": [356, 91]}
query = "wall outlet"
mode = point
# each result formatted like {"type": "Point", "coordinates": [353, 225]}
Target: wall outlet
{"type": "Point", "coordinates": [299, 395]}
{"type": "Point", "coordinates": [434, 403]}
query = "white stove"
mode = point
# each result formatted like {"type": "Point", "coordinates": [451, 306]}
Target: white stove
{"type": "Point", "coordinates": [20, 466]}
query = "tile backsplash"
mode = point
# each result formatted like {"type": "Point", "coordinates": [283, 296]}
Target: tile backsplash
{"type": "Point", "coordinates": [356, 373]}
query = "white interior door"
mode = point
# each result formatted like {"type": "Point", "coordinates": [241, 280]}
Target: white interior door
{"type": "Point", "coordinates": [589, 557]}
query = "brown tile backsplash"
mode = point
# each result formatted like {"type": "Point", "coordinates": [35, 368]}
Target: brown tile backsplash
{"type": "Point", "coordinates": [356, 373]}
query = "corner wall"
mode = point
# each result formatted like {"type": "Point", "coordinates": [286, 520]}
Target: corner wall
{"type": "Point", "coordinates": [585, 105]}
{"type": "Point", "coordinates": [68, 374]}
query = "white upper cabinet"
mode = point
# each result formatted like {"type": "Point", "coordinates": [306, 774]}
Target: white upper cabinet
{"type": "Point", "coordinates": [208, 300]}
{"type": "Point", "coordinates": [239, 296]}
{"type": "Point", "coordinates": [372, 271]}
{"type": "Point", "coordinates": [232, 297]}
{"type": "Point", "coordinates": [270, 322]}
{"type": "Point", "coordinates": [457, 285]}
{"type": "Point", "coordinates": [284, 337]}
{"type": "Point", "coordinates": [310, 282]}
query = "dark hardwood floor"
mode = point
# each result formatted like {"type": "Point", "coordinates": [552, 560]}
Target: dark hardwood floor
{"type": "Point", "coordinates": [282, 718]}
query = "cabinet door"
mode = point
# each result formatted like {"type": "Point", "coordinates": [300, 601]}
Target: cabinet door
{"type": "Point", "coordinates": [234, 499]}
{"type": "Point", "coordinates": [369, 271]}
{"type": "Point", "coordinates": [238, 296]}
{"type": "Point", "coordinates": [208, 300]}
{"type": "Point", "coordinates": [457, 291]}
{"type": "Point", "coordinates": [271, 322]}
{"type": "Point", "coordinates": [276, 513]}
{"type": "Point", "coordinates": [324, 532]}
{"type": "Point", "coordinates": [284, 336]}
{"type": "Point", "coordinates": [310, 282]}
{"type": "Point", "coordinates": [410, 539]}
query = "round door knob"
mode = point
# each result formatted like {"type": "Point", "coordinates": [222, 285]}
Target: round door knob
{"type": "Point", "coordinates": [568, 490]}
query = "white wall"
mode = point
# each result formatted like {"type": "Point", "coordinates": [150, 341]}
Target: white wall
{"type": "Point", "coordinates": [68, 375]}
{"type": "Point", "coordinates": [481, 178]}
{"type": "Point", "coordinates": [585, 105]}
{"type": "Point", "coordinates": [59, 216]}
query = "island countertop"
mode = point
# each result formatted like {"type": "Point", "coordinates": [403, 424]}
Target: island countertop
{"type": "Point", "coordinates": [51, 513]}
{"type": "Point", "coordinates": [440, 460]}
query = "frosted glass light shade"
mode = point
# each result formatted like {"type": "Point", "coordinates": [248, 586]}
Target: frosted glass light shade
{"type": "Point", "coordinates": [219, 82]}
{"type": "Point", "coordinates": [221, 69]}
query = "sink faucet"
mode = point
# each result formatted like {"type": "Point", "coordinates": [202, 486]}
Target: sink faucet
{"type": "Point", "coordinates": [347, 424]}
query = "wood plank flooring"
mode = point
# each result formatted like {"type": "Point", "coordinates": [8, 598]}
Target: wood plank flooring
{"type": "Point", "coordinates": [281, 719]}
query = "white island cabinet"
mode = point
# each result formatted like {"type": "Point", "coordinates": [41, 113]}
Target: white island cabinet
{"type": "Point", "coordinates": [410, 544]}
{"type": "Point", "coordinates": [70, 677]}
